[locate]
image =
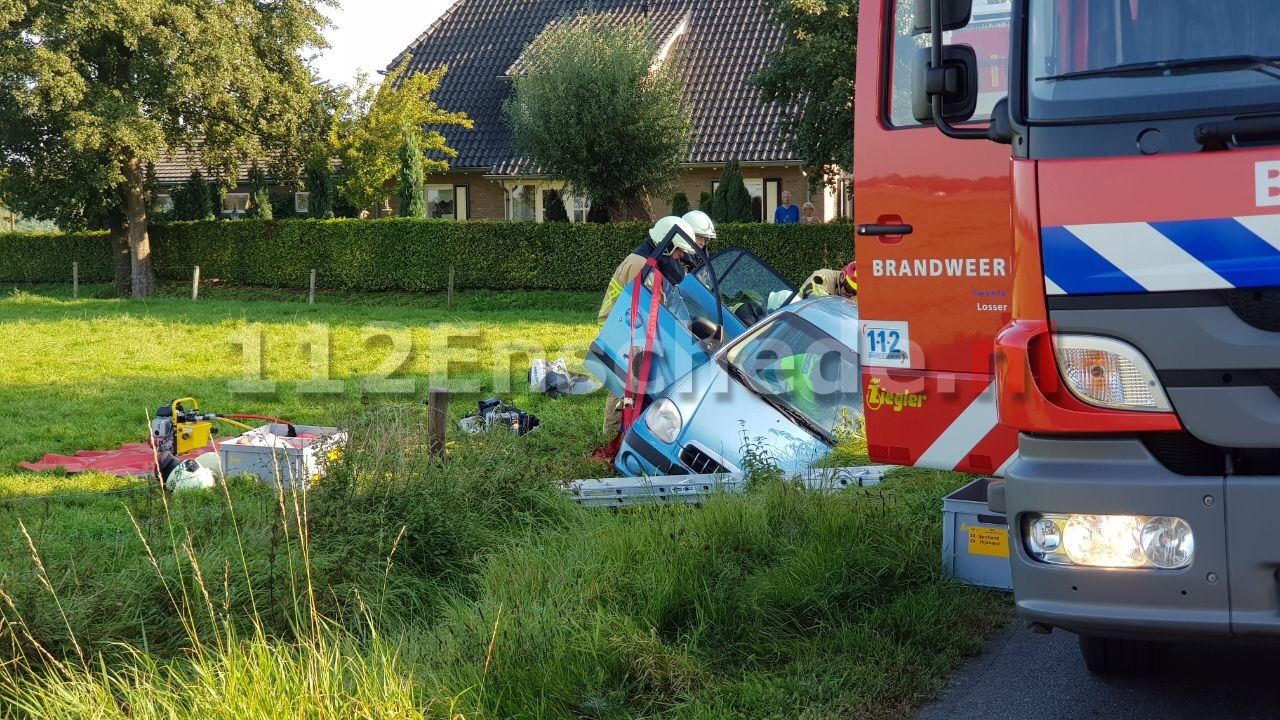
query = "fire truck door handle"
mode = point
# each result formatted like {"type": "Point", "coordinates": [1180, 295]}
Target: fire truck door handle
{"type": "Point", "coordinates": [882, 230]}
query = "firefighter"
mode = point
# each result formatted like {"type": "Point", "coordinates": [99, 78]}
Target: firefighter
{"type": "Point", "coordinates": [848, 283]}
{"type": "Point", "coordinates": [672, 271]}
{"type": "Point", "coordinates": [634, 263]}
{"type": "Point", "coordinates": [843, 283]}
{"type": "Point", "coordinates": [703, 229]}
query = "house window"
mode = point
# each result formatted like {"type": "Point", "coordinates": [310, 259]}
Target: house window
{"type": "Point", "coordinates": [549, 199]}
{"type": "Point", "coordinates": [235, 204]}
{"type": "Point", "coordinates": [302, 203]}
{"type": "Point", "coordinates": [524, 203]}
{"type": "Point", "coordinates": [755, 188]}
{"type": "Point", "coordinates": [164, 202]}
{"type": "Point", "coordinates": [578, 208]}
{"type": "Point", "coordinates": [441, 202]}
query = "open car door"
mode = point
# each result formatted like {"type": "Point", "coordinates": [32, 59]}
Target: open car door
{"type": "Point", "coordinates": [693, 320]}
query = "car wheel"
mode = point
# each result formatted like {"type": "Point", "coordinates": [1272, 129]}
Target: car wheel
{"type": "Point", "coordinates": [1118, 657]}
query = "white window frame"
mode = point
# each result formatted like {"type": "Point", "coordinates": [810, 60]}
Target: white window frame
{"type": "Point", "coordinates": [537, 201]}
{"type": "Point", "coordinates": [574, 205]}
{"type": "Point", "coordinates": [302, 203]}
{"type": "Point", "coordinates": [164, 202]}
{"type": "Point", "coordinates": [438, 187]}
{"type": "Point", "coordinates": [461, 202]}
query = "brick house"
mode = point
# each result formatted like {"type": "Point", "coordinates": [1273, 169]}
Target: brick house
{"type": "Point", "coordinates": [721, 45]}
{"type": "Point", "coordinates": [175, 169]}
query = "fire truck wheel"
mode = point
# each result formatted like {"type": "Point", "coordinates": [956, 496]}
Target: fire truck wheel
{"type": "Point", "coordinates": [1120, 657]}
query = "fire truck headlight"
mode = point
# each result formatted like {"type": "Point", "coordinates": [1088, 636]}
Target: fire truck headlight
{"type": "Point", "coordinates": [1110, 541]}
{"type": "Point", "coordinates": [1109, 373]}
{"type": "Point", "coordinates": [664, 421]}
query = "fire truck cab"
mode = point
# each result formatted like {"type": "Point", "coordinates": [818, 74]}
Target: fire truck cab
{"type": "Point", "coordinates": [1068, 218]}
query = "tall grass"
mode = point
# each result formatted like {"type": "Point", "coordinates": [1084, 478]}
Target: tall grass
{"type": "Point", "coordinates": [404, 586]}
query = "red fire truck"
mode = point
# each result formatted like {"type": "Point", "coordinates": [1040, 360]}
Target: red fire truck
{"type": "Point", "coordinates": [1069, 232]}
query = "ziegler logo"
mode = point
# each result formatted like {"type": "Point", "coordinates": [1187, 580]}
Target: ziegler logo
{"type": "Point", "coordinates": [878, 398]}
{"type": "Point", "coordinates": [1267, 182]}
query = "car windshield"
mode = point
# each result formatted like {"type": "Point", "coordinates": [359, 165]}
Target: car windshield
{"type": "Point", "coordinates": [802, 371]}
{"type": "Point", "coordinates": [1091, 59]}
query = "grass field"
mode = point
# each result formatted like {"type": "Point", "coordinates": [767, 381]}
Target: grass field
{"type": "Point", "coordinates": [407, 587]}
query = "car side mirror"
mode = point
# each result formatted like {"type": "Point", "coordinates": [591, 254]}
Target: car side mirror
{"type": "Point", "coordinates": [955, 14]}
{"type": "Point", "coordinates": [956, 82]}
{"type": "Point", "coordinates": [704, 329]}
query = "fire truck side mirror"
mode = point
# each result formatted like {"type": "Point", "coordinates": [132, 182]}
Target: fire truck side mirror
{"type": "Point", "coordinates": [955, 14]}
{"type": "Point", "coordinates": [1001, 129]}
{"type": "Point", "coordinates": [956, 82]}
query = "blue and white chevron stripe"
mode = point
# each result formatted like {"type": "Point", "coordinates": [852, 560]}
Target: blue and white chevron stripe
{"type": "Point", "coordinates": [1162, 256]}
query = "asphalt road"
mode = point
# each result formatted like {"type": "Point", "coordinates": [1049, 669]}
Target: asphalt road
{"type": "Point", "coordinates": [1024, 675]}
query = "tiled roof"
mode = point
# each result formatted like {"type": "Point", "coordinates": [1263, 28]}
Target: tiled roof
{"type": "Point", "coordinates": [727, 42]}
{"type": "Point", "coordinates": [177, 168]}
{"type": "Point", "coordinates": [663, 24]}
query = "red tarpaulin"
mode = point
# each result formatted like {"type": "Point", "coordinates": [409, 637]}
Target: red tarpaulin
{"type": "Point", "coordinates": [130, 459]}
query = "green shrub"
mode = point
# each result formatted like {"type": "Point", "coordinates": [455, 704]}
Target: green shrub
{"type": "Point", "coordinates": [679, 204]}
{"type": "Point", "coordinates": [732, 200]}
{"type": "Point", "coordinates": [555, 210]}
{"type": "Point", "coordinates": [320, 185]}
{"type": "Point", "coordinates": [413, 199]}
{"type": "Point", "coordinates": [282, 205]}
{"type": "Point", "coordinates": [259, 196]}
{"type": "Point", "coordinates": [193, 200]}
{"type": "Point", "coordinates": [404, 253]}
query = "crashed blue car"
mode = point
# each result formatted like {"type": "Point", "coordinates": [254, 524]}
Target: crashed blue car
{"type": "Point", "coordinates": [785, 387]}
{"type": "Point", "coordinates": [694, 320]}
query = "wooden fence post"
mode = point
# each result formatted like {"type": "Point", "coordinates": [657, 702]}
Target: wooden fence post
{"type": "Point", "coordinates": [450, 305]}
{"type": "Point", "coordinates": [311, 294]}
{"type": "Point", "coordinates": [438, 411]}
{"type": "Point", "coordinates": [195, 283]}
{"type": "Point", "coordinates": [75, 281]}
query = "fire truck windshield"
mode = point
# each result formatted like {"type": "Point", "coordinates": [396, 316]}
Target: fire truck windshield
{"type": "Point", "coordinates": [1099, 59]}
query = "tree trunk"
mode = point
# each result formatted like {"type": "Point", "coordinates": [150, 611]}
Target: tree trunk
{"type": "Point", "coordinates": [632, 208]}
{"type": "Point", "coordinates": [639, 208]}
{"type": "Point", "coordinates": [120, 253]}
{"type": "Point", "coordinates": [143, 277]}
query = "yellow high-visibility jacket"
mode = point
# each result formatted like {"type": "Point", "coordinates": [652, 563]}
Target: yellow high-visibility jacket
{"type": "Point", "coordinates": [626, 273]}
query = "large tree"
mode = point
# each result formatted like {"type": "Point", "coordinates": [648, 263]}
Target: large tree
{"type": "Point", "coordinates": [93, 95]}
{"type": "Point", "coordinates": [593, 109]}
{"type": "Point", "coordinates": [812, 78]}
{"type": "Point", "coordinates": [373, 127]}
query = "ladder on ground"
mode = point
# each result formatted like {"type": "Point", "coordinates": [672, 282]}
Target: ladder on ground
{"type": "Point", "coordinates": [694, 489]}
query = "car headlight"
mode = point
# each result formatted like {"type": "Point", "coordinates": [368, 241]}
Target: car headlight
{"type": "Point", "coordinates": [1106, 372]}
{"type": "Point", "coordinates": [1113, 541]}
{"type": "Point", "coordinates": [664, 421]}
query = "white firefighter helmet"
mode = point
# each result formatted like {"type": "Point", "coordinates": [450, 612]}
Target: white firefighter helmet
{"type": "Point", "coordinates": [701, 224]}
{"type": "Point", "coordinates": [683, 239]}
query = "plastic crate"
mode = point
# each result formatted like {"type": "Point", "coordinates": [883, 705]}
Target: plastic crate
{"type": "Point", "coordinates": [975, 541]}
{"type": "Point", "coordinates": [294, 462]}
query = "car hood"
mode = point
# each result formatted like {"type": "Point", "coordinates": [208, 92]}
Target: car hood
{"type": "Point", "coordinates": [724, 417]}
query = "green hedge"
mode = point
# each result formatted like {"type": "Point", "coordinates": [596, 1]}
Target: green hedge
{"type": "Point", "coordinates": [47, 257]}
{"type": "Point", "coordinates": [403, 253]}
